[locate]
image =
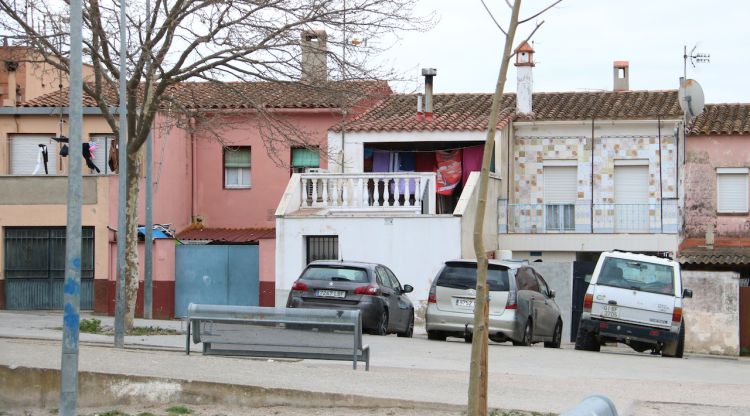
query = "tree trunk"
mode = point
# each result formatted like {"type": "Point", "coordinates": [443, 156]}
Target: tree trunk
{"type": "Point", "coordinates": [478, 375]}
{"type": "Point", "coordinates": [131, 241]}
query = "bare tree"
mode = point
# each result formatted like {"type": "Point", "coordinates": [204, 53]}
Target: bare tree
{"type": "Point", "coordinates": [478, 375]}
{"type": "Point", "coordinates": [216, 41]}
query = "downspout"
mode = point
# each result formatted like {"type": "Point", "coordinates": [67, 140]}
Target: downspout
{"type": "Point", "coordinates": [507, 182]}
{"type": "Point", "coordinates": [592, 175]}
{"type": "Point", "coordinates": [661, 185]}
{"type": "Point", "coordinates": [193, 167]}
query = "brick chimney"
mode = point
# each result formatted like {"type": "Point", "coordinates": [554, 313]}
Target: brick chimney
{"type": "Point", "coordinates": [12, 88]}
{"type": "Point", "coordinates": [620, 72]}
{"type": "Point", "coordinates": [525, 80]}
{"type": "Point", "coordinates": [314, 59]}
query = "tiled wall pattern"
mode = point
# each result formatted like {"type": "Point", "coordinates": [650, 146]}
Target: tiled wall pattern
{"type": "Point", "coordinates": [529, 154]}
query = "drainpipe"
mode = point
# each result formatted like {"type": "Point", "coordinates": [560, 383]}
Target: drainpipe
{"type": "Point", "coordinates": [592, 175]}
{"type": "Point", "coordinates": [661, 185]}
{"type": "Point", "coordinates": [193, 185]}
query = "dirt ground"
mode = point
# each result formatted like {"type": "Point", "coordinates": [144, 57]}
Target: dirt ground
{"type": "Point", "coordinates": [218, 410]}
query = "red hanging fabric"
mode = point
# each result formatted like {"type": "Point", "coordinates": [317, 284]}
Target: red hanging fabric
{"type": "Point", "coordinates": [448, 171]}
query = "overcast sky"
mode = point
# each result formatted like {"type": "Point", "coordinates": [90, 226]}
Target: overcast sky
{"type": "Point", "coordinates": [579, 41]}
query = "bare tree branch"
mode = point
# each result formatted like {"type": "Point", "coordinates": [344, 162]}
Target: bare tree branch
{"type": "Point", "coordinates": [540, 13]}
{"type": "Point", "coordinates": [493, 18]}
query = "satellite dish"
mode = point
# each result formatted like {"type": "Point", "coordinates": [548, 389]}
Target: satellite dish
{"type": "Point", "coordinates": [691, 98]}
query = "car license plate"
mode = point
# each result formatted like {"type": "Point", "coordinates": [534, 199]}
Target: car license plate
{"type": "Point", "coordinates": [331, 293]}
{"type": "Point", "coordinates": [463, 303]}
{"type": "Point", "coordinates": [610, 311]}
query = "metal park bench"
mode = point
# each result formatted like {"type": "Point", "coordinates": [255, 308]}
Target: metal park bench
{"type": "Point", "coordinates": [324, 334]}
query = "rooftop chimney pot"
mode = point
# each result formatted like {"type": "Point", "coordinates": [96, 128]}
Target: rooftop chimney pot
{"type": "Point", "coordinates": [314, 56]}
{"type": "Point", "coordinates": [428, 74]}
{"type": "Point", "coordinates": [621, 73]}
{"type": "Point", "coordinates": [525, 80]}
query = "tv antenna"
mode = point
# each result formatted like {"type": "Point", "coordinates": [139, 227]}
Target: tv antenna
{"type": "Point", "coordinates": [695, 58]}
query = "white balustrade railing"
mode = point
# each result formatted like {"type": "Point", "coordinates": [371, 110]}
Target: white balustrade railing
{"type": "Point", "coordinates": [387, 191]}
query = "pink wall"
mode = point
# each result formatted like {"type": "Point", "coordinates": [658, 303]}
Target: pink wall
{"type": "Point", "coordinates": [704, 155]}
{"type": "Point", "coordinates": [164, 260]}
{"type": "Point", "coordinates": [253, 207]}
{"type": "Point", "coordinates": [171, 177]}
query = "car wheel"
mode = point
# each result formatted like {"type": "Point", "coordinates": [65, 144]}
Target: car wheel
{"type": "Point", "coordinates": [586, 341]}
{"type": "Point", "coordinates": [679, 349]}
{"type": "Point", "coordinates": [527, 336]}
{"type": "Point", "coordinates": [436, 336]}
{"type": "Point", "coordinates": [409, 330]}
{"type": "Point", "coordinates": [556, 337]}
{"type": "Point", "coordinates": [382, 328]}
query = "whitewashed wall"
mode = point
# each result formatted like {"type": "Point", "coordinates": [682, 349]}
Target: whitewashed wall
{"type": "Point", "coordinates": [413, 247]}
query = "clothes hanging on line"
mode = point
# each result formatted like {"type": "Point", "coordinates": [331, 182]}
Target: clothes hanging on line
{"type": "Point", "coordinates": [472, 161]}
{"type": "Point", "coordinates": [41, 159]}
{"type": "Point", "coordinates": [86, 149]}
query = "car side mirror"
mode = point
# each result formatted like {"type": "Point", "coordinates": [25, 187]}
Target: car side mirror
{"type": "Point", "coordinates": [687, 293]}
{"type": "Point", "coordinates": [551, 294]}
{"type": "Point", "coordinates": [407, 289]}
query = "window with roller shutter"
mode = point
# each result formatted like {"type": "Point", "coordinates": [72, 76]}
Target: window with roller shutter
{"type": "Point", "coordinates": [732, 190]}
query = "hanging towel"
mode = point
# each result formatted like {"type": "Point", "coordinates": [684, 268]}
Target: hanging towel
{"type": "Point", "coordinates": [472, 161]}
{"type": "Point", "coordinates": [41, 158]}
{"type": "Point", "coordinates": [448, 171]}
{"type": "Point", "coordinates": [86, 150]}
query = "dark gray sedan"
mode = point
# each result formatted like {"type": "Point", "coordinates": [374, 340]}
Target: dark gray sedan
{"type": "Point", "coordinates": [370, 287]}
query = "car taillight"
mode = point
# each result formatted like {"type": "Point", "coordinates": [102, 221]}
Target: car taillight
{"type": "Point", "coordinates": [511, 303]}
{"type": "Point", "coordinates": [588, 301]}
{"type": "Point", "coordinates": [369, 290]}
{"type": "Point", "coordinates": [677, 315]}
{"type": "Point", "coordinates": [299, 286]}
{"type": "Point", "coordinates": [432, 298]}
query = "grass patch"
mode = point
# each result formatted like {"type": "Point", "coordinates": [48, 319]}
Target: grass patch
{"type": "Point", "coordinates": [498, 412]}
{"type": "Point", "coordinates": [112, 413]}
{"type": "Point", "coordinates": [179, 410]}
{"type": "Point", "coordinates": [146, 414]}
{"type": "Point", "coordinates": [152, 330]}
{"type": "Point", "coordinates": [91, 326]}
{"type": "Point", "coordinates": [744, 352]}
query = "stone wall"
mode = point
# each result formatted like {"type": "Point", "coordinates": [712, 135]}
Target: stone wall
{"type": "Point", "coordinates": [712, 316]}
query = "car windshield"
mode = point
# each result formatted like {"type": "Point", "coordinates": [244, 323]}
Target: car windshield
{"type": "Point", "coordinates": [335, 273]}
{"type": "Point", "coordinates": [637, 275]}
{"type": "Point", "coordinates": [459, 275]}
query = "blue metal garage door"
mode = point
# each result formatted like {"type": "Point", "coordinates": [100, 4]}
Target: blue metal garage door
{"type": "Point", "coordinates": [217, 275]}
{"type": "Point", "coordinates": [35, 267]}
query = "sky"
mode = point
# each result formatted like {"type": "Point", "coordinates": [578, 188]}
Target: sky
{"type": "Point", "coordinates": [576, 46]}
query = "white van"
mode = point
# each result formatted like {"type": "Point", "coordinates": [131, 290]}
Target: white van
{"type": "Point", "coordinates": [635, 299]}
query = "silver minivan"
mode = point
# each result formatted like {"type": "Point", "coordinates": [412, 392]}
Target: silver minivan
{"type": "Point", "coordinates": [522, 308]}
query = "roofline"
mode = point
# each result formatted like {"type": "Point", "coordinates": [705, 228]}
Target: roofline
{"type": "Point", "coordinates": [46, 111]}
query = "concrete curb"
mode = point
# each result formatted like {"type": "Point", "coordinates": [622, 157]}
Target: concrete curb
{"type": "Point", "coordinates": [25, 387]}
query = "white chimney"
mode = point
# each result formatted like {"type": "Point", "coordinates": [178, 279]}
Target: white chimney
{"type": "Point", "coordinates": [620, 74]}
{"type": "Point", "coordinates": [428, 74]}
{"type": "Point", "coordinates": [525, 87]}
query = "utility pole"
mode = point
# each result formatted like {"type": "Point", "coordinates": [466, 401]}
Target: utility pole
{"type": "Point", "coordinates": [122, 172]}
{"type": "Point", "coordinates": [72, 286]}
{"type": "Point", "coordinates": [149, 240]}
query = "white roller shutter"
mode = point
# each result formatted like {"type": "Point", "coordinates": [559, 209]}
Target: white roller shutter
{"type": "Point", "coordinates": [24, 150]}
{"type": "Point", "coordinates": [560, 184]}
{"type": "Point", "coordinates": [631, 184]}
{"type": "Point", "coordinates": [631, 198]}
{"type": "Point", "coordinates": [732, 192]}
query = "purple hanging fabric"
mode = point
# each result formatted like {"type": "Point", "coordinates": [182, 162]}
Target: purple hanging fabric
{"type": "Point", "coordinates": [472, 161]}
{"type": "Point", "coordinates": [381, 161]}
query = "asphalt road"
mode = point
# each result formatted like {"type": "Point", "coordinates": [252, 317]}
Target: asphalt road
{"type": "Point", "coordinates": [530, 378]}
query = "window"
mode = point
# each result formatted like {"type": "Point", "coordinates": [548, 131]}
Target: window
{"type": "Point", "coordinates": [560, 194]}
{"type": "Point", "coordinates": [322, 247]}
{"type": "Point", "coordinates": [304, 158]}
{"type": "Point", "coordinates": [26, 157]}
{"type": "Point", "coordinates": [237, 167]}
{"type": "Point", "coordinates": [394, 281]}
{"type": "Point", "coordinates": [732, 190]}
{"type": "Point", "coordinates": [525, 280]}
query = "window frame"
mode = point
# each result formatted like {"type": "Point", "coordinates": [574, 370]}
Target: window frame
{"type": "Point", "coordinates": [224, 151]}
{"type": "Point", "coordinates": [327, 239]}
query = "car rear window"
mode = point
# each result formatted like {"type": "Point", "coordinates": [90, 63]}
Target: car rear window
{"type": "Point", "coordinates": [637, 275]}
{"type": "Point", "coordinates": [335, 273]}
{"type": "Point", "coordinates": [459, 275]}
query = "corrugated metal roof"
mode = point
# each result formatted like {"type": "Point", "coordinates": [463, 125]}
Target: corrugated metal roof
{"type": "Point", "coordinates": [230, 235]}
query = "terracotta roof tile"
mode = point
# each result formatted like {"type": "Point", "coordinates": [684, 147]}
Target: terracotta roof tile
{"type": "Point", "coordinates": [233, 235]}
{"type": "Point", "coordinates": [470, 111]}
{"type": "Point", "coordinates": [722, 119]}
{"type": "Point", "coordinates": [238, 95]}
